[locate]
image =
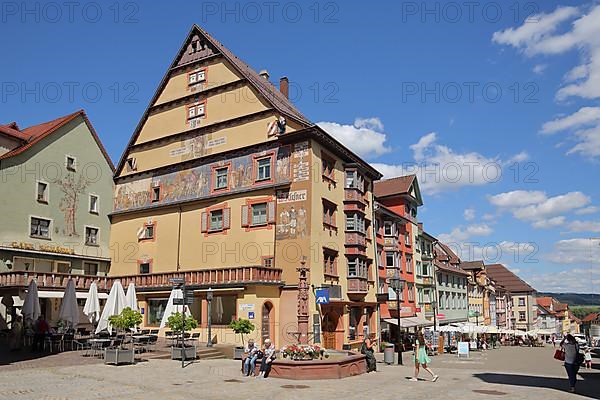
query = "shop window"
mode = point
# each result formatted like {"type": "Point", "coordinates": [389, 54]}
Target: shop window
{"type": "Point", "coordinates": [223, 309]}
{"type": "Point", "coordinates": [156, 311]}
{"type": "Point", "coordinates": [90, 269]}
{"type": "Point", "coordinates": [353, 328]}
{"type": "Point", "coordinates": [39, 228]}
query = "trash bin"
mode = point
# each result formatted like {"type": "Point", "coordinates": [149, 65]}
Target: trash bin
{"type": "Point", "coordinates": [388, 353]}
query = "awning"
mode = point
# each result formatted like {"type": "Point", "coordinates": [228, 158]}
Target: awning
{"type": "Point", "coordinates": [410, 322]}
{"type": "Point", "coordinates": [47, 294]}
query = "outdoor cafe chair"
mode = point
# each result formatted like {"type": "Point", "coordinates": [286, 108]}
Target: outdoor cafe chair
{"type": "Point", "coordinates": [54, 342]}
{"type": "Point", "coordinates": [154, 331]}
{"type": "Point", "coordinates": [152, 340]}
{"type": "Point", "coordinates": [145, 331]}
{"type": "Point", "coordinates": [194, 338]}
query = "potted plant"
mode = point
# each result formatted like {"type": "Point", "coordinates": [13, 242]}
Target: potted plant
{"type": "Point", "coordinates": [241, 327]}
{"type": "Point", "coordinates": [124, 322]}
{"type": "Point", "coordinates": [178, 325]}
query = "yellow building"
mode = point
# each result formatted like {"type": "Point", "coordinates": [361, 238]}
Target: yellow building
{"type": "Point", "coordinates": [225, 183]}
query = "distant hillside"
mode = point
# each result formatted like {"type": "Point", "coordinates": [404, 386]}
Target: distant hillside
{"type": "Point", "coordinates": [575, 299]}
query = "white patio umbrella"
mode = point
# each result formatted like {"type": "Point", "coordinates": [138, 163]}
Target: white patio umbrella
{"type": "Point", "coordinates": [449, 328]}
{"type": "Point", "coordinates": [31, 305]}
{"type": "Point", "coordinates": [92, 304]}
{"type": "Point", "coordinates": [131, 297]}
{"type": "Point", "coordinates": [69, 310]}
{"type": "Point", "coordinates": [171, 308]}
{"type": "Point", "coordinates": [115, 303]}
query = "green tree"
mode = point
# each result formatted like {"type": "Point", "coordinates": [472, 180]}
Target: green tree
{"type": "Point", "coordinates": [126, 321]}
{"type": "Point", "coordinates": [241, 327]}
{"type": "Point", "coordinates": [176, 323]}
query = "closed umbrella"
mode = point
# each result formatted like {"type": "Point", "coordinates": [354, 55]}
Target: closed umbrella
{"type": "Point", "coordinates": [69, 310]}
{"type": "Point", "coordinates": [92, 304]}
{"type": "Point", "coordinates": [172, 308]}
{"type": "Point", "coordinates": [131, 297]}
{"type": "Point", "coordinates": [31, 306]}
{"type": "Point", "coordinates": [115, 303]}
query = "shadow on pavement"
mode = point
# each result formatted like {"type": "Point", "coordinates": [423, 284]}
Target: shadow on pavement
{"type": "Point", "coordinates": [588, 386]}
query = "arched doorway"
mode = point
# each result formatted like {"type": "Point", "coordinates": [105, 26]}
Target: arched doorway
{"type": "Point", "coordinates": [329, 328]}
{"type": "Point", "coordinates": [268, 322]}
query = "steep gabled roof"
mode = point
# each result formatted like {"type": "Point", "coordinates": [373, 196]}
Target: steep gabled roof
{"type": "Point", "coordinates": [12, 130]}
{"type": "Point", "coordinates": [398, 186]}
{"type": "Point", "coordinates": [545, 302]}
{"type": "Point", "coordinates": [271, 94]}
{"type": "Point", "coordinates": [452, 258]}
{"type": "Point", "coordinates": [36, 133]}
{"type": "Point", "coordinates": [591, 317]}
{"type": "Point", "coordinates": [506, 278]}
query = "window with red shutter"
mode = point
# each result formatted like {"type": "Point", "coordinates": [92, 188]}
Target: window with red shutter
{"type": "Point", "coordinates": [204, 222]}
{"type": "Point", "coordinates": [271, 212]}
{"type": "Point", "coordinates": [226, 218]}
{"type": "Point", "coordinates": [245, 216]}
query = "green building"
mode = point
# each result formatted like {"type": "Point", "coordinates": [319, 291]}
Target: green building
{"type": "Point", "coordinates": [55, 194]}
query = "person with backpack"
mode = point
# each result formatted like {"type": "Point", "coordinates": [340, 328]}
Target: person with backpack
{"type": "Point", "coordinates": [573, 359]}
{"type": "Point", "coordinates": [367, 348]}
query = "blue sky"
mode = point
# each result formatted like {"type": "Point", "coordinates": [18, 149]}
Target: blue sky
{"type": "Point", "coordinates": [426, 87]}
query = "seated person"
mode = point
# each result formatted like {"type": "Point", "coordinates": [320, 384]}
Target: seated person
{"type": "Point", "coordinates": [251, 352]}
{"type": "Point", "coordinates": [267, 360]}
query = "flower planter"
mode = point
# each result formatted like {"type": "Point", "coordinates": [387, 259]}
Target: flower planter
{"type": "Point", "coordinates": [188, 352]}
{"type": "Point", "coordinates": [238, 352]}
{"type": "Point", "coordinates": [119, 356]}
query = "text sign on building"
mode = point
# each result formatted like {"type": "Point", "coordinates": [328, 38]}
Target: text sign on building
{"type": "Point", "coordinates": [322, 296]}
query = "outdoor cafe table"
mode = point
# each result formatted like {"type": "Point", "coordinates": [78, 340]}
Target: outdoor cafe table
{"type": "Point", "coordinates": [98, 344]}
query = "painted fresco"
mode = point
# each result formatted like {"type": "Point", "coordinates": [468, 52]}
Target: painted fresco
{"type": "Point", "coordinates": [71, 189]}
{"type": "Point", "coordinates": [195, 183]}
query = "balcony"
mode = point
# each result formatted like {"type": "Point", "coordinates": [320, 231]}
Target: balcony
{"type": "Point", "coordinates": [357, 286]}
{"type": "Point", "coordinates": [354, 195]}
{"type": "Point", "coordinates": [205, 277]}
{"type": "Point", "coordinates": [355, 239]}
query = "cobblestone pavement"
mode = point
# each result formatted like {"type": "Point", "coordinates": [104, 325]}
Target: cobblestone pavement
{"type": "Point", "coordinates": [509, 373]}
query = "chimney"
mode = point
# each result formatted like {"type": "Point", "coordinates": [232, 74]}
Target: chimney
{"type": "Point", "coordinates": [264, 73]}
{"type": "Point", "coordinates": [284, 86]}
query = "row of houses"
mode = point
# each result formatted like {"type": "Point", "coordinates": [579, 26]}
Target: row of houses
{"type": "Point", "coordinates": [226, 184]}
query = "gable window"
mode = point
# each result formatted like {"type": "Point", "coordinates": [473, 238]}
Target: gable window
{"type": "Point", "coordinates": [259, 214]}
{"type": "Point", "coordinates": [91, 236]}
{"type": "Point", "coordinates": [195, 112]}
{"type": "Point", "coordinates": [144, 268]}
{"type": "Point", "coordinates": [329, 211]}
{"type": "Point", "coordinates": [197, 77]}
{"type": "Point", "coordinates": [263, 169]}
{"type": "Point", "coordinates": [221, 178]}
{"type": "Point", "coordinates": [42, 192]}
{"type": "Point", "coordinates": [40, 228]}
{"type": "Point", "coordinates": [156, 194]}
{"type": "Point", "coordinates": [93, 204]}
{"type": "Point", "coordinates": [70, 163]}
{"type": "Point", "coordinates": [330, 262]}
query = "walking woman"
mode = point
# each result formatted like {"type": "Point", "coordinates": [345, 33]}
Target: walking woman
{"type": "Point", "coordinates": [369, 352]}
{"type": "Point", "coordinates": [421, 359]}
{"type": "Point", "coordinates": [571, 349]}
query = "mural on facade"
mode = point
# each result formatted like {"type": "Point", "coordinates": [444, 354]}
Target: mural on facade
{"type": "Point", "coordinates": [71, 188]}
{"type": "Point", "coordinates": [195, 183]}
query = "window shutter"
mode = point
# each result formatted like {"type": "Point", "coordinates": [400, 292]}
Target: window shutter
{"type": "Point", "coordinates": [271, 212]}
{"type": "Point", "coordinates": [226, 218]}
{"type": "Point", "coordinates": [140, 233]}
{"type": "Point", "coordinates": [245, 222]}
{"type": "Point", "coordinates": [204, 222]}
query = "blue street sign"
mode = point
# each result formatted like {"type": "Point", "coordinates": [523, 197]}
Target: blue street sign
{"type": "Point", "coordinates": [250, 314]}
{"type": "Point", "coordinates": [322, 296]}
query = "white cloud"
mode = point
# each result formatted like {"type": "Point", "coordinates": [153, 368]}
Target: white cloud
{"type": "Point", "coordinates": [440, 168]}
{"type": "Point", "coordinates": [584, 226]}
{"type": "Point", "coordinates": [519, 157]}
{"type": "Point", "coordinates": [469, 214]}
{"type": "Point", "coordinates": [537, 208]}
{"type": "Point", "coordinates": [575, 251]}
{"type": "Point", "coordinates": [365, 137]}
{"type": "Point", "coordinates": [539, 69]}
{"type": "Point", "coordinates": [549, 223]}
{"type": "Point", "coordinates": [583, 80]}
{"type": "Point", "coordinates": [585, 116]}
{"type": "Point", "coordinates": [517, 198]}
{"type": "Point", "coordinates": [587, 210]}
{"type": "Point", "coordinates": [488, 217]}
{"type": "Point", "coordinates": [464, 233]}
{"type": "Point", "coordinates": [576, 280]}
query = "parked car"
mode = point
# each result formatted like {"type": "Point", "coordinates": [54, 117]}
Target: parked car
{"type": "Point", "coordinates": [581, 339]}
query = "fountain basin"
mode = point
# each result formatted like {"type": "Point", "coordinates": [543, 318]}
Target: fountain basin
{"type": "Point", "coordinates": [328, 368]}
